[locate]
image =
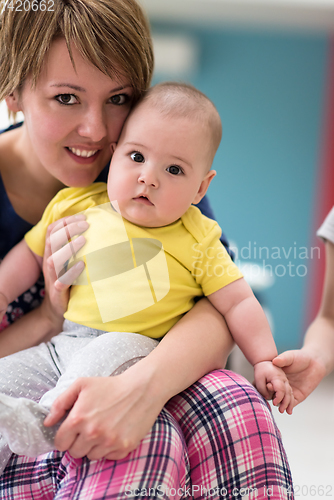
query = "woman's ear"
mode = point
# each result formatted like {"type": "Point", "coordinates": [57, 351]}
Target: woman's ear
{"type": "Point", "coordinates": [13, 102]}
{"type": "Point", "coordinates": [204, 186]}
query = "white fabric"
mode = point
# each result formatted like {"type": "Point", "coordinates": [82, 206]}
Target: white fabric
{"type": "Point", "coordinates": [32, 379]}
{"type": "Point", "coordinates": [326, 231]}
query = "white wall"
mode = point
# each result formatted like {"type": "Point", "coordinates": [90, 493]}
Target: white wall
{"type": "Point", "coordinates": [3, 116]}
{"type": "Point", "coordinates": [295, 14]}
{"type": "Point", "coordinates": [4, 120]}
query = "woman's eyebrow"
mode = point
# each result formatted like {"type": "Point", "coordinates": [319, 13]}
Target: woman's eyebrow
{"type": "Point", "coordinates": [81, 89]}
{"type": "Point", "coordinates": [69, 85]}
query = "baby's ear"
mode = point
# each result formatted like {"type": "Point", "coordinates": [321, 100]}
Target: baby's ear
{"type": "Point", "coordinates": [204, 186]}
{"type": "Point", "coordinates": [13, 102]}
{"type": "Point", "coordinates": [113, 147]}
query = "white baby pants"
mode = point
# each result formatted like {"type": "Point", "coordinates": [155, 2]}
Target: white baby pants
{"type": "Point", "coordinates": [43, 372]}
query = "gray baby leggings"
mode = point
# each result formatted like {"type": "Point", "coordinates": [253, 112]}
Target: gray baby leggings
{"type": "Point", "coordinates": [42, 373]}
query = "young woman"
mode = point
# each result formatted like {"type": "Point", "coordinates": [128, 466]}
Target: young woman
{"type": "Point", "coordinates": [75, 69]}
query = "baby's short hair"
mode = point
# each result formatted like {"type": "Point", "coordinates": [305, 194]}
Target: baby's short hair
{"type": "Point", "coordinates": [184, 100]}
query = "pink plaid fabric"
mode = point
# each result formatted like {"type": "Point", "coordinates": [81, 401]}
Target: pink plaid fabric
{"type": "Point", "coordinates": [215, 440]}
{"type": "Point", "coordinates": [234, 446]}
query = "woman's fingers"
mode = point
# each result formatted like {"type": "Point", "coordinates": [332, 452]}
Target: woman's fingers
{"type": "Point", "coordinates": [63, 230]}
{"type": "Point", "coordinates": [63, 404]}
{"type": "Point", "coordinates": [69, 277]}
{"type": "Point", "coordinates": [63, 247]}
{"type": "Point", "coordinates": [58, 224]}
{"type": "Point", "coordinates": [107, 417]}
{"type": "Point", "coordinates": [61, 257]}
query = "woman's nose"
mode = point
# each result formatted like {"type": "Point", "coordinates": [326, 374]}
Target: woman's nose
{"type": "Point", "coordinates": [93, 125]}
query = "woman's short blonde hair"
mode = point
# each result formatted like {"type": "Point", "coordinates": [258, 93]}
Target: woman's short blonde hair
{"type": "Point", "coordinates": [113, 35]}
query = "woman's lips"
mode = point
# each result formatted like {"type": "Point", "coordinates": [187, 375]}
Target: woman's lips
{"type": "Point", "coordinates": [83, 156]}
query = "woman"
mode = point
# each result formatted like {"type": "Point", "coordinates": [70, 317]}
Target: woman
{"type": "Point", "coordinates": [75, 72]}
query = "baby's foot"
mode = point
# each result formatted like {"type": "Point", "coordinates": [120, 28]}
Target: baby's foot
{"type": "Point", "coordinates": [21, 424]}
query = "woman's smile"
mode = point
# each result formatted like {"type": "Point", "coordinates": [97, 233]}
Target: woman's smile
{"type": "Point", "coordinates": [83, 156]}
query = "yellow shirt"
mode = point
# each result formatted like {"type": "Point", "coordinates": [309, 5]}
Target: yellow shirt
{"type": "Point", "coordinates": [137, 279]}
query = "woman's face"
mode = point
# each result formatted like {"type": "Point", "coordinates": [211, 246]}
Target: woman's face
{"type": "Point", "coordinates": [72, 116]}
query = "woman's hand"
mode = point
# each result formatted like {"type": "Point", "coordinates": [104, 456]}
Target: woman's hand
{"type": "Point", "coordinates": [108, 416]}
{"type": "Point", "coordinates": [58, 279]}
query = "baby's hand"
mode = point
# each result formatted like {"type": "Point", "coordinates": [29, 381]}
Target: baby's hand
{"type": "Point", "coordinates": [3, 305]}
{"type": "Point", "coordinates": [272, 383]}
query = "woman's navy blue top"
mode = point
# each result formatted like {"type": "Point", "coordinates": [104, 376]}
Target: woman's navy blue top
{"type": "Point", "coordinates": [12, 230]}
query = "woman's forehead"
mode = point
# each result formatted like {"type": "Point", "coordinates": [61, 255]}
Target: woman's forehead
{"type": "Point", "coordinates": [60, 70]}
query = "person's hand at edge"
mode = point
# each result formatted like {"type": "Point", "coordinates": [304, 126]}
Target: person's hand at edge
{"type": "Point", "coordinates": [304, 371]}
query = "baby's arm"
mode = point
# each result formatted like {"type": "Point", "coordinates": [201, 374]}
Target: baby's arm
{"type": "Point", "coordinates": [250, 330]}
{"type": "Point", "coordinates": [19, 270]}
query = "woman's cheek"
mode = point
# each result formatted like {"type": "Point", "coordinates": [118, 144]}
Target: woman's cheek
{"type": "Point", "coordinates": [45, 130]}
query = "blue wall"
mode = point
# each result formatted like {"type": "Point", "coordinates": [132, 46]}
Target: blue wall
{"type": "Point", "coordinates": [269, 91]}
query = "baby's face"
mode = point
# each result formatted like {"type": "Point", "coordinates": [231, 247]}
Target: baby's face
{"type": "Point", "coordinates": [159, 168]}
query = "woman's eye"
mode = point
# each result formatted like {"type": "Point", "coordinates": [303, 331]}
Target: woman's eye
{"type": "Point", "coordinates": [137, 157]}
{"type": "Point", "coordinates": [66, 99]}
{"type": "Point", "coordinates": [174, 170]}
{"type": "Point", "coordinates": [120, 99]}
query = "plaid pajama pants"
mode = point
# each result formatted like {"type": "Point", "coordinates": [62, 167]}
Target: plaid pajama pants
{"type": "Point", "coordinates": [215, 440]}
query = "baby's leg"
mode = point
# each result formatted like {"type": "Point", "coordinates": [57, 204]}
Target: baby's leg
{"type": "Point", "coordinates": [109, 354]}
{"type": "Point", "coordinates": [29, 373]}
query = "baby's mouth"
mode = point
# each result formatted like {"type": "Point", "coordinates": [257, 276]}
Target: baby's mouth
{"type": "Point", "coordinates": [143, 199]}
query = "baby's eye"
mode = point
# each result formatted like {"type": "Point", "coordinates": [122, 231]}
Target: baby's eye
{"type": "Point", "coordinates": [137, 157]}
{"type": "Point", "coordinates": [66, 99]}
{"type": "Point", "coordinates": [174, 170]}
{"type": "Point", "coordinates": [120, 99]}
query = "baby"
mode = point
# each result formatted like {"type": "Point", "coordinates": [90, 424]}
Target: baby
{"type": "Point", "coordinates": [149, 254]}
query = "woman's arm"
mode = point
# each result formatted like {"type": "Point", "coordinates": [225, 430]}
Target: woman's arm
{"type": "Point", "coordinates": [307, 367]}
{"type": "Point", "coordinates": [19, 270]}
{"type": "Point", "coordinates": [44, 322]}
{"type": "Point", "coordinates": [109, 416]}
